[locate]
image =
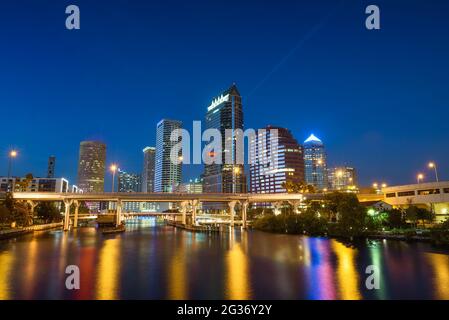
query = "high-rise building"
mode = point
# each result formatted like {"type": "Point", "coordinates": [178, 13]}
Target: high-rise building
{"type": "Point", "coordinates": [129, 182]}
{"type": "Point", "coordinates": [51, 167]}
{"type": "Point", "coordinates": [315, 163]}
{"type": "Point", "coordinates": [91, 166]}
{"type": "Point", "coordinates": [288, 164]}
{"type": "Point", "coordinates": [167, 175]}
{"type": "Point", "coordinates": [225, 112]}
{"type": "Point", "coordinates": [193, 186]}
{"type": "Point", "coordinates": [343, 179]}
{"type": "Point", "coordinates": [149, 156]}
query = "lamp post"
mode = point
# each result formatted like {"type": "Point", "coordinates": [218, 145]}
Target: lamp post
{"type": "Point", "coordinates": [113, 169]}
{"type": "Point", "coordinates": [12, 154]}
{"type": "Point", "coordinates": [432, 165]}
{"type": "Point", "coordinates": [419, 177]}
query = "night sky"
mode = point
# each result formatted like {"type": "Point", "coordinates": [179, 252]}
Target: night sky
{"type": "Point", "coordinates": [379, 100]}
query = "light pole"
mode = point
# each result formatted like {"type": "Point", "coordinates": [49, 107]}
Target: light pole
{"type": "Point", "coordinates": [419, 177]}
{"type": "Point", "coordinates": [113, 169]}
{"type": "Point", "coordinates": [12, 154]}
{"type": "Point", "coordinates": [434, 166]}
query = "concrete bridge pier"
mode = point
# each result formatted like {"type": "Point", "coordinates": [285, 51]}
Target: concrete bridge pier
{"type": "Point", "coordinates": [67, 204]}
{"type": "Point", "coordinates": [194, 204]}
{"type": "Point", "coordinates": [77, 206]}
{"type": "Point", "coordinates": [244, 214]}
{"type": "Point", "coordinates": [184, 205]}
{"type": "Point", "coordinates": [232, 211]}
{"type": "Point", "coordinates": [118, 215]}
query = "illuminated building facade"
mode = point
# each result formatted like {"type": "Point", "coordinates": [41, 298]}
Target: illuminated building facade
{"type": "Point", "coordinates": [225, 112]}
{"type": "Point", "coordinates": [315, 163]}
{"type": "Point", "coordinates": [288, 161]}
{"type": "Point", "coordinates": [91, 166]}
{"type": "Point", "coordinates": [167, 174]}
{"type": "Point", "coordinates": [343, 179]}
{"type": "Point", "coordinates": [149, 159]}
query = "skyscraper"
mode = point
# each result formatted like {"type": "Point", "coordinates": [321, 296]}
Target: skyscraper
{"type": "Point", "coordinates": [149, 155]}
{"type": "Point", "coordinates": [91, 166]}
{"type": "Point", "coordinates": [128, 182]}
{"type": "Point", "coordinates": [315, 163]}
{"type": "Point", "coordinates": [288, 161]}
{"type": "Point", "coordinates": [343, 179]}
{"type": "Point", "coordinates": [167, 174]}
{"type": "Point", "coordinates": [51, 167]}
{"type": "Point", "coordinates": [225, 112]}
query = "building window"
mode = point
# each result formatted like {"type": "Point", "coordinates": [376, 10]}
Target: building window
{"type": "Point", "coordinates": [390, 195]}
{"type": "Point", "coordinates": [428, 191]}
{"type": "Point", "coordinates": [406, 193]}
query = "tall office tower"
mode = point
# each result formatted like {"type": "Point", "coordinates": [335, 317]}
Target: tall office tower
{"type": "Point", "coordinates": [149, 155]}
{"type": "Point", "coordinates": [167, 175]}
{"type": "Point", "coordinates": [343, 179]}
{"type": "Point", "coordinates": [51, 167]}
{"type": "Point", "coordinates": [91, 166]}
{"type": "Point", "coordinates": [288, 165]}
{"type": "Point", "coordinates": [315, 163]}
{"type": "Point", "coordinates": [129, 182]}
{"type": "Point", "coordinates": [225, 112]}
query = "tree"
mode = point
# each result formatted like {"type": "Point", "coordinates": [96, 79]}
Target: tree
{"type": "Point", "coordinates": [24, 184]}
{"type": "Point", "coordinates": [395, 218]}
{"type": "Point", "coordinates": [48, 212]}
{"type": "Point", "coordinates": [5, 214]}
{"type": "Point", "coordinates": [411, 214]}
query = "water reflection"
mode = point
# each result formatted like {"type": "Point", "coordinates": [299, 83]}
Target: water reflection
{"type": "Point", "coordinates": [108, 270]}
{"type": "Point", "coordinates": [440, 265]}
{"type": "Point", "coordinates": [6, 267]}
{"type": "Point", "coordinates": [237, 271]}
{"type": "Point", "coordinates": [155, 261]}
{"type": "Point", "coordinates": [348, 276]}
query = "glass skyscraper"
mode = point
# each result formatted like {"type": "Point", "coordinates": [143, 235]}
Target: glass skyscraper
{"type": "Point", "coordinates": [167, 174]}
{"type": "Point", "coordinates": [266, 176]}
{"type": "Point", "coordinates": [128, 182]}
{"type": "Point", "coordinates": [315, 163]}
{"type": "Point", "coordinates": [225, 112]}
{"type": "Point", "coordinates": [149, 156]}
{"type": "Point", "coordinates": [343, 179]}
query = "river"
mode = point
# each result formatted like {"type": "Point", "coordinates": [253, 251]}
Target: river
{"type": "Point", "coordinates": [154, 261]}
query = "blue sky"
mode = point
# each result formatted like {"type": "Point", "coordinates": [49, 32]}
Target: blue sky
{"type": "Point", "coordinates": [378, 99]}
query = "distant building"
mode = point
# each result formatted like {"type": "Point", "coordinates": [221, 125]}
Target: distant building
{"type": "Point", "coordinates": [35, 185]}
{"type": "Point", "coordinates": [51, 167]}
{"type": "Point", "coordinates": [288, 161]}
{"type": "Point", "coordinates": [343, 179]}
{"type": "Point", "coordinates": [91, 166]}
{"type": "Point", "coordinates": [167, 174]}
{"type": "Point", "coordinates": [433, 196]}
{"type": "Point", "coordinates": [129, 182]}
{"type": "Point", "coordinates": [315, 163]}
{"type": "Point", "coordinates": [193, 186]}
{"type": "Point", "coordinates": [149, 160]}
{"type": "Point", "coordinates": [225, 112]}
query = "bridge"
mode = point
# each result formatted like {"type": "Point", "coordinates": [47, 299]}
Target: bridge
{"type": "Point", "coordinates": [188, 202]}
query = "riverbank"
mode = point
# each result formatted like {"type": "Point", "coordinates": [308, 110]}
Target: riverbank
{"type": "Point", "coordinates": [16, 232]}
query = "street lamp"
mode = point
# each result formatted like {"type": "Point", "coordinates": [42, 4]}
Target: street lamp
{"type": "Point", "coordinates": [12, 154]}
{"type": "Point", "coordinates": [419, 177]}
{"type": "Point", "coordinates": [384, 185]}
{"type": "Point", "coordinates": [432, 165]}
{"type": "Point", "coordinates": [113, 169]}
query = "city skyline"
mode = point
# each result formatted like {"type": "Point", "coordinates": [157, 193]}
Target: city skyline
{"type": "Point", "coordinates": [296, 75]}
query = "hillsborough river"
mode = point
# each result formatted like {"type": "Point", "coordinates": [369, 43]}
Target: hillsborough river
{"type": "Point", "coordinates": [155, 261]}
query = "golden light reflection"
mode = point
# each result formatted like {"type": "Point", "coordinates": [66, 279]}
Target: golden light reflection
{"type": "Point", "coordinates": [440, 264]}
{"type": "Point", "coordinates": [237, 274]}
{"type": "Point", "coordinates": [108, 270]}
{"type": "Point", "coordinates": [6, 262]}
{"type": "Point", "coordinates": [178, 276]}
{"type": "Point", "coordinates": [347, 275]}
